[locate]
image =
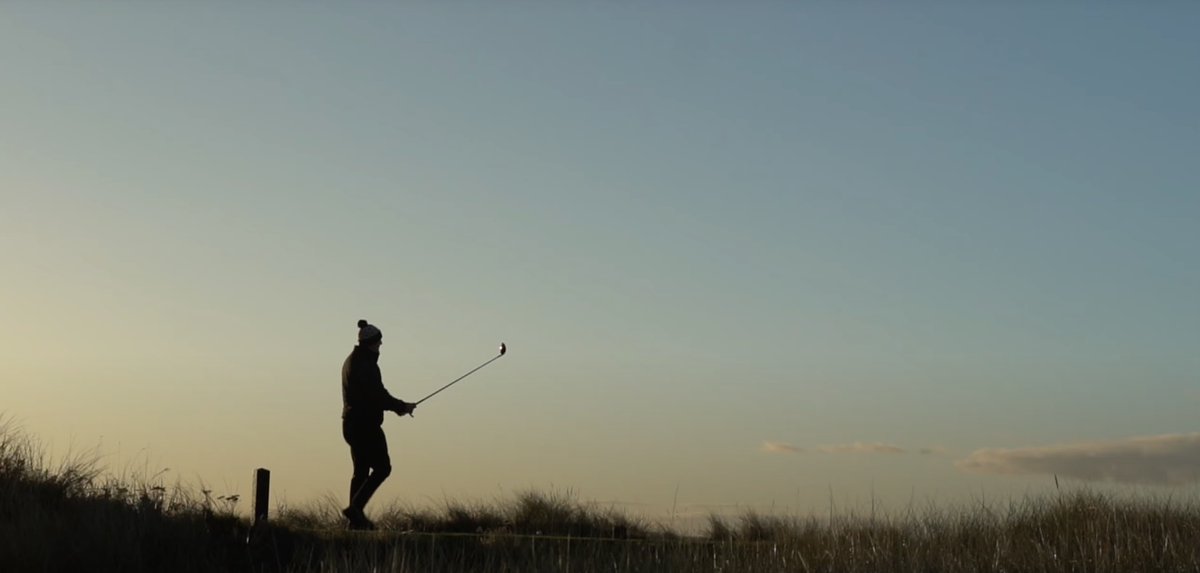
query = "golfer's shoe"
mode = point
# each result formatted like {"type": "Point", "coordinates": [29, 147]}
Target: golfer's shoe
{"type": "Point", "coordinates": [358, 520]}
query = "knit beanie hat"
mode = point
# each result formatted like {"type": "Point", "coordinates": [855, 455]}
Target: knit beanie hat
{"type": "Point", "coordinates": [368, 333]}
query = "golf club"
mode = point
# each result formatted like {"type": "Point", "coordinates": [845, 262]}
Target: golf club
{"type": "Point", "coordinates": [503, 349]}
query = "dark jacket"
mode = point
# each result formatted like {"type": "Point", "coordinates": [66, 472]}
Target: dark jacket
{"type": "Point", "coordinates": [364, 399]}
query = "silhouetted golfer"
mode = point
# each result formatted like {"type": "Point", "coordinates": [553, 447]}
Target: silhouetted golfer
{"type": "Point", "coordinates": [364, 399]}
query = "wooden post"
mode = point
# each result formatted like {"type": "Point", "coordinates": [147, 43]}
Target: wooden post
{"type": "Point", "coordinates": [262, 494]}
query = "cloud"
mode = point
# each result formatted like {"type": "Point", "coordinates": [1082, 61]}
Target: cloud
{"type": "Point", "coordinates": [854, 448]}
{"type": "Point", "coordinates": [1172, 459]}
{"type": "Point", "coordinates": [779, 448]}
{"type": "Point", "coordinates": [861, 448]}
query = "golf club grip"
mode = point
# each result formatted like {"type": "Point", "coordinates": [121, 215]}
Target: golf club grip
{"type": "Point", "coordinates": [435, 392]}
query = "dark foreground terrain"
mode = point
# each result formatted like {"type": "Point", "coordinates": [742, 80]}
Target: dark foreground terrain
{"type": "Point", "coordinates": [71, 517]}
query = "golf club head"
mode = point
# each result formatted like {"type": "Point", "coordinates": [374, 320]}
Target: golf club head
{"type": "Point", "coordinates": [503, 349]}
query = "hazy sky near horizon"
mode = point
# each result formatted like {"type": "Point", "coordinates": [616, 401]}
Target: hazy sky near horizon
{"type": "Point", "coordinates": [741, 255]}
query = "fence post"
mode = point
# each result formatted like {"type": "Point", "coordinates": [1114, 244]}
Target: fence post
{"type": "Point", "coordinates": [262, 494]}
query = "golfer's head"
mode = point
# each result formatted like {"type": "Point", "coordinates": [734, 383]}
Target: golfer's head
{"type": "Point", "coordinates": [369, 336]}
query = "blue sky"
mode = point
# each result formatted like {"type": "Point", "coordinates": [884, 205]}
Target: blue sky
{"type": "Point", "coordinates": [700, 229]}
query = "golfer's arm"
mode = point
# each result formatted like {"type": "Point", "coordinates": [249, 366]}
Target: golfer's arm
{"type": "Point", "coordinates": [385, 398]}
{"type": "Point", "coordinates": [393, 402]}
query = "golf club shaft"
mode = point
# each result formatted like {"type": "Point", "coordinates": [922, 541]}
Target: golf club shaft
{"type": "Point", "coordinates": [459, 378]}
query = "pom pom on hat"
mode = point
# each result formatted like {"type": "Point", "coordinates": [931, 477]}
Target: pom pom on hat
{"type": "Point", "coordinates": [368, 332]}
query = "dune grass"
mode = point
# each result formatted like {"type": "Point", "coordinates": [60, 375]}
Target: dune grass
{"type": "Point", "coordinates": [526, 513]}
{"type": "Point", "coordinates": [70, 516]}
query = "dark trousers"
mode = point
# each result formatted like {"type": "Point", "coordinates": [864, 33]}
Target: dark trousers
{"type": "Point", "coordinates": [369, 453]}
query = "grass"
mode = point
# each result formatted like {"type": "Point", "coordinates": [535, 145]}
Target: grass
{"type": "Point", "coordinates": [72, 517]}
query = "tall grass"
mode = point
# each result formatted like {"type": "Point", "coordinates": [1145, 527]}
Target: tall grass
{"type": "Point", "coordinates": [70, 516]}
{"type": "Point", "coordinates": [1076, 531]}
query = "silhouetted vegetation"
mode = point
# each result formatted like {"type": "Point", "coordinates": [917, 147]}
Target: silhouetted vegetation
{"type": "Point", "coordinates": [73, 517]}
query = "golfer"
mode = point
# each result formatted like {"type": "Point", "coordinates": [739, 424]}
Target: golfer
{"type": "Point", "coordinates": [364, 400]}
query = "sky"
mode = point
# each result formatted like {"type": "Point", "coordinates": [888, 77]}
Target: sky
{"type": "Point", "coordinates": [761, 255]}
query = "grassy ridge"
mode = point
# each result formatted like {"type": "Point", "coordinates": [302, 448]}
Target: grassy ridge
{"type": "Point", "coordinates": [70, 517]}
{"type": "Point", "coordinates": [526, 513]}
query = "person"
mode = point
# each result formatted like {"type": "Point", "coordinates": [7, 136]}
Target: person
{"type": "Point", "coordinates": [364, 400]}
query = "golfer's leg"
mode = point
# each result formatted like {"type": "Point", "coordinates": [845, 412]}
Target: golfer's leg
{"type": "Point", "coordinates": [381, 466]}
{"type": "Point", "coordinates": [360, 456]}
